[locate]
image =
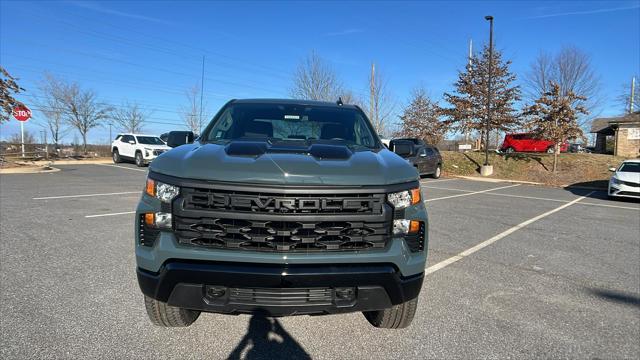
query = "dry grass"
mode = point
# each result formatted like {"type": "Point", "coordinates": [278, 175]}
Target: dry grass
{"type": "Point", "coordinates": [579, 169]}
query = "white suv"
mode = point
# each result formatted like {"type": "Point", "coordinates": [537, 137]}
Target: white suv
{"type": "Point", "coordinates": [140, 148]}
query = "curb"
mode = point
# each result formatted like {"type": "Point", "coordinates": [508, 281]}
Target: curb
{"type": "Point", "coordinates": [29, 170]}
{"type": "Point", "coordinates": [494, 180]}
{"type": "Point", "coordinates": [67, 162]}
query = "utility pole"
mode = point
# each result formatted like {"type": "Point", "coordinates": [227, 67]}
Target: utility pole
{"type": "Point", "coordinates": [470, 51]}
{"type": "Point", "coordinates": [372, 92]}
{"type": "Point", "coordinates": [487, 170]}
{"type": "Point", "coordinates": [633, 94]}
{"type": "Point", "coordinates": [201, 95]}
{"type": "Point", "coordinates": [110, 138]}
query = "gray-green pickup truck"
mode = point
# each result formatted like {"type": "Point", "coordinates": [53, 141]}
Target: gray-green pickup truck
{"type": "Point", "coordinates": [286, 207]}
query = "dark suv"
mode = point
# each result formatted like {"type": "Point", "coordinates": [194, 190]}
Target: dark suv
{"type": "Point", "coordinates": [425, 158]}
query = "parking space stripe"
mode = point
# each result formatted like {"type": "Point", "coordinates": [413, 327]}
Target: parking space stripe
{"type": "Point", "coordinates": [482, 245]}
{"type": "Point", "coordinates": [611, 206]}
{"type": "Point", "coordinates": [122, 167]}
{"type": "Point", "coordinates": [87, 195]}
{"type": "Point", "coordinates": [471, 193]}
{"type": "Point", "coordinates": [423, 181]}
{"type": "Point", "coordinates": [110, 214]}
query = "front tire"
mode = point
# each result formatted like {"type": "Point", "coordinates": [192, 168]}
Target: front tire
{"type": "Point", "coordinates": [139, 159]}
{"type": "Point", "coordinates": [438, 172]}
{"type": "Point", "coordinates": [551, 150]}
{"type": "Point", "coordinates": [116, 156]}
{"type": "Point", "coordinates": [510, 150]}
{"type": "Point", "coordinates": [397, 317]}
{"type": "Point", "coordinates": [165, 315]}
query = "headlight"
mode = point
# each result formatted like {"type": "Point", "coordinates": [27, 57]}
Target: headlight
{"type": "Point", "coordinates": [403, 199]}
{"type": "Point", "coordinates": [158, 220]}
{"type": "Point", "coordinates": [163, 192]}
{"type": "Point", "coordinates": [404, 227]}
{"type": "Point", "coordinates": [147, 152]}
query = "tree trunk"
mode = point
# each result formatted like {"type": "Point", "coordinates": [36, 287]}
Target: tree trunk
{"type": "Point", "coordinates": [556, 150]}
{"type": "Point", "coordinates": [84, 143]}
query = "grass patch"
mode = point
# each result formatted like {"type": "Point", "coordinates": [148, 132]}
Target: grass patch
{"type": "Point", "coordinates": [572, 168]}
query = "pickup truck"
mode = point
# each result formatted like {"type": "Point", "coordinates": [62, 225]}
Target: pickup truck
{"type": "Point", "coordinates": [287, 207]}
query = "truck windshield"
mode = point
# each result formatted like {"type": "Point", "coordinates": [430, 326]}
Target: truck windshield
{"type": "Point", "coordinates": [292, 124]}
{"type": "Point", "coordinates": [149, 140]}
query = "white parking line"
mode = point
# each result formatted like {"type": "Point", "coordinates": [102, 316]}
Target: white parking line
{"type": "Point", "coordinates": [471, 193]}
{"type": "Point", "coordinates": [534, 198]}
{"type": "Point", "coordinates": [611, 206]}
{"type": "Point", "coordinates": [482, 245]}
{"type": "Point", "coordinates": [122, 167]}
{"type": "Point", "coordinates": [424, 181]}
{"type": "Point", "coordinates": [87, 195]}
{"type": "Point", "coordinates": [110, 214]}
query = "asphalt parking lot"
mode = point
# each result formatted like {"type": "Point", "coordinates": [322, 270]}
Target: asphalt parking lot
{"type": "Point", "coordinates": [513, 271]}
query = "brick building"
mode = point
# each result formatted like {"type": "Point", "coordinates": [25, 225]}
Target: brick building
{"type": "Point", "coordinates": [625, 132]}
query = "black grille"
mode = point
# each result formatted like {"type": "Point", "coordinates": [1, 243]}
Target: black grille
{"type": "Point", "coordinates": [270, 235]}
{"type": "Point", "coordinates": [251, 202]}
{"type": "Point", "coordinates": [628, 183]}
{"type": "Point", "coordinates": [278, 296]}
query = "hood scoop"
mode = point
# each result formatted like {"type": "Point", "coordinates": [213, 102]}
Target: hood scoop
{"type": "Point", "coordinates": [330, 152]}
{"type": "Point", "coordinates": [246, 148]}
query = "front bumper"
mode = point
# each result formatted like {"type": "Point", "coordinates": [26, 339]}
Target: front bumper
{"type": "Point", "coordinates": [280, 290]}
{"type": "Point", "coordinates": [622, 190]}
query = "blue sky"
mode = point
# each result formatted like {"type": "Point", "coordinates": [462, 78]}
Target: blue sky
{"type": "Point", "coordinates": [151, 52]}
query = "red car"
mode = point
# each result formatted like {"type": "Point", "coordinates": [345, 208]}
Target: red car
{"type": "Point", "coordinates": [525, 142]}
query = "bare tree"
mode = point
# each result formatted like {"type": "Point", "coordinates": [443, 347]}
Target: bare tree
{"type": "Point", "coordinates": [380, 105]}
{"type": "Point", "coordinates": [8, 88]}
{"type": "Point", "coordinates": [193, 114]}
{"type": "Point", "coordinates": [51, 106]}
{"type": "Point", "coordinates": [554, 116]}
{"type": "Point", "coordinates": [421, 119]}
{"type": "Point", "coordinates": [315, 79]}
{"type": "Point", "coordinates": [82, 110]}
{"type": "Point", "coordinates": [129, 118]}
{"type": "Point", "coordinates": [572, 71]}
{"type": "Point", "coordinates": [16, 138]}
{"type": "Point", "coordinates": [624, 99]}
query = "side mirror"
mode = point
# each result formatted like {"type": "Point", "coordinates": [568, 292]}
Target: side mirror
{"type": "Point", "coordinates": [132, 142]}
{"type": "Point", "coordinates": [177, 138]}
{"type": "Point", "coordinates": [612, 169]}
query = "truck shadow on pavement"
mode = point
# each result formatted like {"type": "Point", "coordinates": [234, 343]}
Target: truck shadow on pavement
{"type": "Point", "coordinates": [617, 296]}
{"type": "Point", "coordinates": [267, 339]}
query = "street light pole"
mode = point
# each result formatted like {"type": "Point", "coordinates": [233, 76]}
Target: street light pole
{"type": "Point", "coordinates": [489, 81]}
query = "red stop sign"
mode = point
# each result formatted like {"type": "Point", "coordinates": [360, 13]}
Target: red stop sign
{"type": "Point", "coordinates": [21, 113]}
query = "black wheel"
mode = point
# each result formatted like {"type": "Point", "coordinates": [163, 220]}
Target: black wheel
{"type": "Point", "coordinates": [550, 150]}
{"type": "Point", "coordinates": [116, 156]}
{"type": "Point", "coordinates": [510, 150]}
{"type": "Point", "coordinates": [436, 174]}
{"type": "Point", "coordinates": [397, 317]}
{"type": "Point", "coordinates": [139, 159]}
{"type": "Point", "coordinates": [165, 315]}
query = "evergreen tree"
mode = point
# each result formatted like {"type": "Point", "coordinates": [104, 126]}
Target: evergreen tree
{"type": "Point", "coordinates": [554, 116]}
{"type": "Point", "coordinates": [468, 110]}
{"type": "Point", "coordinates": [421, 119]}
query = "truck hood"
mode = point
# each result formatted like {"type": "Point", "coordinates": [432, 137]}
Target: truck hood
{"type": "Point", "coordinates": [216, 162]}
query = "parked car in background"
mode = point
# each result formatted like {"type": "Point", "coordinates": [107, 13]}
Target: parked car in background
{"type": "Point", "coordinates": [141, 149]}
{"type": "Point", "coordinates": [425, 158]}
{"type": "Point", "coordinates": [527, 142]}
{"type": "Point", "coordinates": [625, 181]}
